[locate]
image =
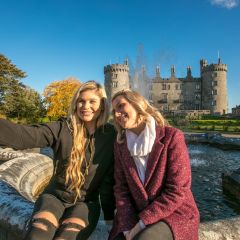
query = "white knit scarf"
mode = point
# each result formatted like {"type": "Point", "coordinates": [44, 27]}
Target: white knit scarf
{"type": "Point", "coordinates": [141, 145]}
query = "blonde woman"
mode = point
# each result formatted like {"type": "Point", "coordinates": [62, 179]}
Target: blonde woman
{"type": "Point", "coordinates": [69, 207]}
{"type": "Point", "coordinates": [152, 174]}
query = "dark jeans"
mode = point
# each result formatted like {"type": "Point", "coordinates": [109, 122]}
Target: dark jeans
{"type": "Point", "coordinates": [157, 231]}
{"type": "Point", "coordinates": [87, 211]}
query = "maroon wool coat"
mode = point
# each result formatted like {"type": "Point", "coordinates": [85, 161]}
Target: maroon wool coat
{"type": "Point", "coordinates": [166, 193]}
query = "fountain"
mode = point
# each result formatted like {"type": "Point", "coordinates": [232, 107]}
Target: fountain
{"type": "Point", "coordinates": [140, 83]}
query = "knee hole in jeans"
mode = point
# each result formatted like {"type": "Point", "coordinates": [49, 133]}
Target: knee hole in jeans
{"type": "Point", "coordinates": [73, 226]}
{"type": "Point", "coordinates": [40, 226]}
{"type": "Point", "coordinates": [74, 223]}
{"type": "Point", "coordinates": [43, 224]}
{"type": "Point", "coordinates": [46, 217]}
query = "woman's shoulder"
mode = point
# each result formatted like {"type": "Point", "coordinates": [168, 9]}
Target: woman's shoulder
{"type": "Point", "coordinates": [172, 130]}
{"type": "Point", "coordinates": [173, 135]}
{"type": "Point", "coordinates": [108, 128]}
{"type": "Point", "coordinates": [169, 132]}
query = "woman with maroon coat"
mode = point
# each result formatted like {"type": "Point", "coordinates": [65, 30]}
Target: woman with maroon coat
{"type": "Point", "coordinates": [152, 174]}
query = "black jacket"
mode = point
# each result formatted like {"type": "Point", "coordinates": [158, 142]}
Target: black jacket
{"type": "Point", "coordinates": [58, 136]}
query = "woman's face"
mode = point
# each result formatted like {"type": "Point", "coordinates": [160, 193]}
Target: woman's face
{"type": "Point", "coordinates": [89, 106]}
{"type": "Point", "coordinates": [124, 112]}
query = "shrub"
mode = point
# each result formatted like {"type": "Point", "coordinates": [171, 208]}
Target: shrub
{"type": "Point", "coordinates": [212, 128]}
{"type": "Point", "coordinates": [181, 122]}
{"type": "Point", "coordinates": [225, 128]}
{"type": "Point", "coordinates": [236, 129]}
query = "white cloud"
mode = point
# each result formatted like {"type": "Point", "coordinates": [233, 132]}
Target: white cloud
{"type": "Point", "coordinates": [229, 4]}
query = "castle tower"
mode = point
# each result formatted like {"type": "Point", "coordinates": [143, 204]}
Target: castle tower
{"type": "Point", "coordinates": [116, 78]}
{"type": "Point", "coordinates": [214, 87]}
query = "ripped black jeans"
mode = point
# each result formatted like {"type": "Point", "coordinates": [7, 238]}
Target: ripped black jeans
{"type": "Point", "coordinates": [89, 212]}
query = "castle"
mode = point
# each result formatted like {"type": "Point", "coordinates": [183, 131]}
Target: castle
{"type": "Point", "coordinates": [204, 94]}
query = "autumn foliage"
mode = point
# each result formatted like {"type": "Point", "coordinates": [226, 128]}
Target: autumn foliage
{"type": "Point", "coordinates": [58, 95]}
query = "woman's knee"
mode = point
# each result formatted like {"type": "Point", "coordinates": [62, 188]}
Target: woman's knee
{"type": "Point", "coordinates": [46, 215]}
{"type": "Point", "coordinates": [76, 221]}
{"type": "Point", "coordinates": [70, 229]}
{"type": "Point", "coordinates": [43, 226]}
{"type": "Point", "coordinates": [158, 230]}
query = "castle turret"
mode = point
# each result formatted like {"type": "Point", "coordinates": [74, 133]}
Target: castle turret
{"type": "Point", "coordinates": [219, 60]}
{"type": "Point", "coordinates": [116, 78]}
{"type": "Point", "coordinates": [189, 71]}
{"type": "Point", "coordinates": [172, 71]}
{"type": "Point", "coordinates": [214, 87]}
{"type": "Point", "coordinates": [203, 64]}
{"type": "Point", "coordinates": [157, 72]}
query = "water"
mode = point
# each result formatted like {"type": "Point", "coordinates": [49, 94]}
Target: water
{"type": "Point", "coordinates": [208, 163]}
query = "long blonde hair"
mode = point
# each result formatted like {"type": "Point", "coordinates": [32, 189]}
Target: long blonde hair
{"type": "Point", "coordinates": [75, 178]}
{"type": "Point", "coordinates": [143, 108]}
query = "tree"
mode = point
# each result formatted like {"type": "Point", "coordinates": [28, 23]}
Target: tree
{"type": "Point", "coordinates": [58, 95]}
{"type": "Point", "coordinates": [33, 105]}
{"type": "Point", "coordinates": [24, 103]}
{"type": "Point", "coordinates": [9, 77]}
{"type": "Point", "coordinates": [16, 99]}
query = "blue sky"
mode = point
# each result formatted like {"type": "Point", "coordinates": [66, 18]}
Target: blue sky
{"type": "Point", "coordinates": [54, 39]}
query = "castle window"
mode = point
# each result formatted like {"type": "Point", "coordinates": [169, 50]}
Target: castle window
{"type": "Point", "coordinates": [114, 75]}
{"type": "Point", "coordinates": [181, 98]}
{"type": "Point", "coordinates": [168, 87]}
{"type": "Point", "coordinates": [214, 91]}
{"type": "Point", "coordinates": [165, 108]}
{"type": "Point", "coordinates": [176, 86]}
{"type": "Point", "coordinates": [197, 106]}
{"type": "Point", "coordinates": [197, 96]}
{"type": "Point", "coordinates": [215, 74]}
{"type": "Point", "coordinates": [214, 103]}
{"type": "Point", "coordinates": [164, 86]}
{"type": "Point", "coordinates": [214, 83]}
{"type": "Point", "coordinates": [163, 98]}
{"type": "Point", "coordinates": [115, 84]}
{"type": "Point", "coordinates": [197, 86]}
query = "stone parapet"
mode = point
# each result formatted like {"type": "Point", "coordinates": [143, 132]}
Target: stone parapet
{"type": "Point", "coordinates": [214, 139]}
{"type": "Point", "coordinates": [215, 67]}
{"type": "Point", "coordinates": [116, 68]}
